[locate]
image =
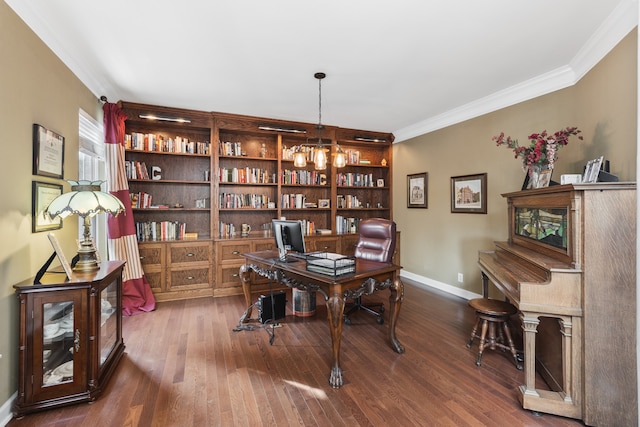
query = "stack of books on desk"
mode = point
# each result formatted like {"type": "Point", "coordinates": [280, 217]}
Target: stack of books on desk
{"type": "Point", "coordinates": [330, 264]}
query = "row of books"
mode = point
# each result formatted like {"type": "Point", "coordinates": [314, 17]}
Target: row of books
{"type": "Point", "coordinates": [348, 201]}
{"type": "Point", "coordinates": [159, 143]}
{"type": "Point", "coordinates": [246, 175]}
{"type": "Point", "coordinates": [226, 229]}
{"type": "Point", "coordinates": [303, 177]}
{"type": "Point", "coordinates": [310, 152]}
{"type": "Point", "coordinates": [239, 201]}
{"type": "Point", "coordinates": [160, 230]}
{"type": "Point", "coordinates": [355, 179]}
{"type": "Point", "coordinates": [136, 170]}
{"type": "Point", "coordinates": [228, 148]}
{"type": "Point", "coordinates": [291, 201]}
{"type": "Point", "coordinates": [346, 224]}
{"type": "Point", "coordinates": [140, 200]}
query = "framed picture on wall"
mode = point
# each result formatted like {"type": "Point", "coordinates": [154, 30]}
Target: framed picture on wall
{"type": "Point", "coordinates": [469, 194]}
{"type": "Point", "coordinates": [417, 190]}
{"type": "Point", "coordinates": [48, 152]}
{"type": "Point", "coordinates": [42, 194]}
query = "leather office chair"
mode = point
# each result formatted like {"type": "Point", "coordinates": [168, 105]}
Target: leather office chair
{"type": "Point", "coordinates": [376, 242]}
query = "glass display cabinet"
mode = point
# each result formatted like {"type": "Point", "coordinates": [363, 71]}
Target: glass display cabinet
{"type": "Point", "coordinates": [70, 337]}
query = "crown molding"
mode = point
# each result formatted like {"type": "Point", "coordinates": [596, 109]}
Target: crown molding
{"type": "Point", "coordinates": [620, 23]}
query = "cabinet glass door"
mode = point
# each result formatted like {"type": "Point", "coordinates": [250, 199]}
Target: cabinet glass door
{"type": "Point", "coordinates": [59, 342]}
{"type": "Point", "coordinates": [108, 320]}
{"type": "Point", "coordinates": [59, 334]}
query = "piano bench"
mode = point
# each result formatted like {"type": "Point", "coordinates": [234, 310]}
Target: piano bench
{"type": "Point", "coordinates": [492, 313]}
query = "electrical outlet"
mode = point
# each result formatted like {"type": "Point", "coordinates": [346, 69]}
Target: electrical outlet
{"type": "Point", "coordinates": [460, 277]}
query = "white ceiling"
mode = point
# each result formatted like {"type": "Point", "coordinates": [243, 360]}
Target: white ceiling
{"type": "Point", "coordinates": [402, 66]}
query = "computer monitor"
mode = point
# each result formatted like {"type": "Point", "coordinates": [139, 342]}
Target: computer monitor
{"type": "Point", "coordinates": [289, 237]}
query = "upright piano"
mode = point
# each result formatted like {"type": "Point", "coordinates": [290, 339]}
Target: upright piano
{"type": "Point", "coordinates": [569, 265]}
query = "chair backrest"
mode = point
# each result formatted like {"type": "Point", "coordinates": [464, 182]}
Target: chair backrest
{"type": "Point", "coordinates": [377, 240]}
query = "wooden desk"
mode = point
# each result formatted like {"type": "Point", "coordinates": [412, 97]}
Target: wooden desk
{"type": "Point", "coordinates": [369, 276]}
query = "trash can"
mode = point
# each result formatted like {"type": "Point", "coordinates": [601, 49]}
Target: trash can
{"type": "Point", "coordinates": [304, 303]}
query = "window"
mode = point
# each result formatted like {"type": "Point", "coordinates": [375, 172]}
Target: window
{"type": "Point", "coordinates": [92, 167]}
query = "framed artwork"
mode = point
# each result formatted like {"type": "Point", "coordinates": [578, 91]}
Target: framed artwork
{"type": "Point", "coordinates": [380, 182]}
{"type": "Point", "coordinates": [469, 194]}
{"type": "Point", "coordinates": [323, 203]}
{"type": "Point", "coordinates": [417, 190]}
{"type": "Point", "coordinates": [48, 152]}
{"type": "Point", "coordinates": [42, 194]}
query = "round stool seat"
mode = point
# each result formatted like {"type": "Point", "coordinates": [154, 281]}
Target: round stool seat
{"type": "Point", "coordinates": [492, 317]}
{"type": "Point", "coordinates": [493, 307]}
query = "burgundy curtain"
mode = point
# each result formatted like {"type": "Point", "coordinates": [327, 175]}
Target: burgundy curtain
{"type": "Point", "coordinates": [136, 292]}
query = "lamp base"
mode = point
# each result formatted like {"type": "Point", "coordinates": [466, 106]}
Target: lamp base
{"type": "Point", "coordinates": [87, 260]}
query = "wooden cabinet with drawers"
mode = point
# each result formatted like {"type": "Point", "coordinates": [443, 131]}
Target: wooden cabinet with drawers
{"type": "Point", "coordinates": [179, 269]}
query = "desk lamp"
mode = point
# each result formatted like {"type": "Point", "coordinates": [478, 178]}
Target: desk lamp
{"type": "Point", "coordinates": [85, 200]}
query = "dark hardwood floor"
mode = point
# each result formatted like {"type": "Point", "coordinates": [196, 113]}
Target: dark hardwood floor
{"type": "Point", "coordinates": [185, 366]}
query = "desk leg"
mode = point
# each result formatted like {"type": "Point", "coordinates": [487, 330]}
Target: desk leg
{"type": "Point", "coordinates": [245, 278]}
{"type": "Point", "coordinates": [395, 302]}
{"type": "Point", "coordinates": [335, 305]}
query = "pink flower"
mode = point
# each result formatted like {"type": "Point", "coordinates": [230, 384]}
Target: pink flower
{"type": "Point", "coordinates": [542, 149]}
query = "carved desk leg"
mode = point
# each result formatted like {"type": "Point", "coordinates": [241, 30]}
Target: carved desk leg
{"type": "Point", "coordinates": [335, 305]}
{"type": "Point", "coordinates": [245, 277]}
{"type": "Point", "coordinates": [395, 302]}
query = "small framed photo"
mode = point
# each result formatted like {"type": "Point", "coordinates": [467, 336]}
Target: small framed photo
{"type": "Point", "coordinates": [417, 190]}
{"type": "Point", "coordinates": [592, 170]}
{"type": "Point", "coordinates": [42, 194]}
{"type": "Point", "coordinates": [323, 203]}
{"type": "Point", "coordinates": [48, 152]}
{"type": "Point", "coordinates": [469, 194]}
{"type": "Point", "coordinates": [60, 254]}
{"type": "Point", "coordinates": [380, 182]}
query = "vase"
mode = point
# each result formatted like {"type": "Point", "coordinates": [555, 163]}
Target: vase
{"type": "Point", "coordinates": [539, 175]}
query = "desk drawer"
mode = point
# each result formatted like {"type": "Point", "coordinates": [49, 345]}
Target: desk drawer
{"type": "Point", "coordinates": [180, 253]}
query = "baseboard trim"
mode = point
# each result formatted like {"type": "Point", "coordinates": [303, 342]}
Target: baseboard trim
{"type": "Point", "coordinates": [5, 410]}
{"type": "Point", "coordinates": [425, 282]}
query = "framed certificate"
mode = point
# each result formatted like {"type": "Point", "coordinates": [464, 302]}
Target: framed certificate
{"type": "Point", "coordinates": [48, 152]}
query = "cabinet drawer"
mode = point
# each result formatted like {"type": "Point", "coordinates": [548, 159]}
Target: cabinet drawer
{"type": "Point", "coordinates": [192, 278]}
{"type": "Point", "coordinates": [265, 245]}
{"type": "Point", "coordinates": [151, 254]}
{"type": "Point", "coordinates": [324, 244]}
{"type": "Point", "coordinates": [189, 252]}
{"type": "Point", "coordinates": [229, 277]}
{"type": "Point", "coordinates": [155, 279]}
{"type": "Point", "coordinates": [233, 252]}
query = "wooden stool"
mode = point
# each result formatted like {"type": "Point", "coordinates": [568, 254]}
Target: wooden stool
{"type": "Point", "coordinates": [490, 312]}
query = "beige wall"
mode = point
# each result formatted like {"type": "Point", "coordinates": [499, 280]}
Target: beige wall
{"type": "Point", "coordinates": [437, 244]}
{"type": "Point", "coordinates": [35, 87]}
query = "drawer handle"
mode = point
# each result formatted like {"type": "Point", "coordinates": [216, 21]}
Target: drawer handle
{"type": "Point", "coordinates": [76, 341]}
{"type": "Point", "coordinates": [190, 254]}
{"type": "Point", "coordinates": [141, 257]}
{"type": "Point", "coordinates": [190, 277]}
{"type": "Point", "coordinates": [235, 275]}
{"type": "Point", "coordinates": [236, 252]}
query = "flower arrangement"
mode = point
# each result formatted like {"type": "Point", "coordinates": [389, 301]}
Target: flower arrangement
{"type": "Point", "coordinates": [543, 148]}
